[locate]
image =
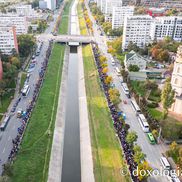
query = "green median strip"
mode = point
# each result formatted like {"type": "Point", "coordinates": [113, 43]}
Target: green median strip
{"type": "Point", "coordinates": [33, 158]}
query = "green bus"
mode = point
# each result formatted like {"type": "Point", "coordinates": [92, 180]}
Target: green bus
{"type": "Point", "coordinates": [151, 138]}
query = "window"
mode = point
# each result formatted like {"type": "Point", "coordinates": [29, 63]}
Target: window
{"type": "Point", "coordinates": [176, 81]}
{"type": "Point", "coordinates": [178, 70]}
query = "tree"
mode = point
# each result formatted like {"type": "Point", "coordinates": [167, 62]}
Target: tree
{"type": "Point", "coordinates": [30, 29]}
{"type": "Point", "coordinates": [14, 52]}
{"type": "Point", "coordinates": [26, 43]}
{"type": "Point", "coordinates": [131, 137]}
{"type": "Point", "coordinates": [139, 157]}
{"type": "Point", "coordinates": [155, 133]}
{"type": "Point", "coordinates": [137, 148]}
{"type": "Point", "coordinates": [133, 46]}
{"type": "Point", "coordinates": [163, 56]}
{"type": "Point", "coordinates": [15, 61]}
{"type": "Point", "coordinates": [117, 31]}
{"type": "Point", "coordinates": [180, 158]}
{"type": "Point", "coordinates": [105, 70]}
{"type": "Point", "coordinates": [173, 151]}
{"type": "Point", "coordinates": [167, 97]}
{"type": "Point", "coordinates": [133, 68]}
{"type": "Point", "coordinates": [2, 91]}
{"type": "Point", "coordinates": [107, 27]}
{"type": "Point", "coordinates": [114, 96]}
{"type": "Point", "coordinates": [102, 59]}
{"type": "Point", "coordinates": [108, 80]}
{"type": "Point", "coordinates": [144, 166]}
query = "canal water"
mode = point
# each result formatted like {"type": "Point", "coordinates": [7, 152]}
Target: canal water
{"type": "Point", "coordinates": [71, 167]}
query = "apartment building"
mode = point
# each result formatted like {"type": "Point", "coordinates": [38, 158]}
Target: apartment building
{"type": "Point", "coordinates": [51, 4]}
{"type": "Point", "coordinates": [25, 10]}
{"type": "Point", "coordinates": [103, 6]}
{"type": "Point", "coordinates": [176, 82]}
{"type": "Point", "coordinates": [170, 26]}
{"type": "Point", "coordinates": [119, 14]}
{"type": "Point", "coordinates": [110, 4]}
{"type": "Point", "coordinates": [137, 30]}
{"type": "Point", "coordinates": [162, 3]}
{"type": "Point", "coordinates": [8, 39]}
{"type": "Point", "coordinates": [20, 22]}
{"type": "Point", "coordinates": [98, 3]}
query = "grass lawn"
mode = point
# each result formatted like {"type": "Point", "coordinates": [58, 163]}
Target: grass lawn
{"type": "Point", "coordinates": [23, 78]}
{"type": "Point", "coordinates": [171, 128]}
{"type": "Point", "coordinates": [155, 113]}
{"type": "Point", "coordinates": [83, 29]}
{"type": "Point", "coordinates": [138, 87]}
{"type": "Point", "coordinates": [33, 158]}
{"type": "Point", "coordinates": [106, 150]}
{"type": "Point", "coordinates": [63, 28]}
{"type": "Point", "coordinates": [107, 154]}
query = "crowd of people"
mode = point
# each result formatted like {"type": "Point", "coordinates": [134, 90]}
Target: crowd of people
{"type": "Point", "coordinates": [24, 120]}
{"type": "Point", "coordinates": [119, 126]}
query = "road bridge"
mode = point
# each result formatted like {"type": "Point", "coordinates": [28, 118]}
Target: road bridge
{"type": "Point", "coordinates": [70, 39]}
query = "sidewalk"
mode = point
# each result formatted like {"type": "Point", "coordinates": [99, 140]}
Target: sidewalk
{"type": "Point", "coordinates": [55, 164]}
{"type": "Point", "coordinates": [87, 173]}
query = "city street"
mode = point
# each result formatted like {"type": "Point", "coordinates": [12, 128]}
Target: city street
{"type": "Point", "coordinates": [11, 129]}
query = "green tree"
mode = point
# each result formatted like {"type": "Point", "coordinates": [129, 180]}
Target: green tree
{"type": "Point", "coordinates": [117, 31]}
{"type": "Point", "coordinates": [133, 68]}
{"type": "Point", "coordinates": [15, 61]}
{"type": "Point", "coordinates": [131, 137]}
{"type": "Point", "coordinates": [2, 91]}
{"type": "Point", "coordinates": [139, 157]}
{"type": "Point", "coordinates": [167, 97]}
{"type": "Point", "coordinates": [133, 46]}
{"type": "Point", "coordinates": [107, 27]}
{"type": "Point", "coordinates": [30, 29]}
{"type": "Point", "coordinates": [26, 43]}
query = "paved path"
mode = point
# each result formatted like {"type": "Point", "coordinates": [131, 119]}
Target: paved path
{"type": "Point", "coordinates": [85, 141]}
{"type": "Point", "coordinates": [87, 174]}
{"type": "Point", "coordinates": [55, 165]}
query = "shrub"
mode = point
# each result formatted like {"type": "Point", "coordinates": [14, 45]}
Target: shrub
{"type": "Point", "coordinates": [152, 104]}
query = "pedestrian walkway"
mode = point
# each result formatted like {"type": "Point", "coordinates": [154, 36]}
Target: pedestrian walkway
{"type": "Point", "coordinates": [55, 165]}
{"type": "Point", "coordinates": [87, 173]}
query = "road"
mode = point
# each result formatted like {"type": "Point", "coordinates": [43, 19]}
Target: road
{"type": "Point", "coordinates": [153, 152]}
{"type": "Point", "coordinates": [11, 129]}
{"type": "Point", "coordinates": [67, 38]}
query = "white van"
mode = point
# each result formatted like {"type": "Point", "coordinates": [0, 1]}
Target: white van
{"type": "Point", "coordinates": [113, 62]}
{"type": "Point", "coordinates": [165, 163]}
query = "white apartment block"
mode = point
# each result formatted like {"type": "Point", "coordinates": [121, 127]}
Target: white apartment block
{"type": "Point", "coordinates": [25, 10]}
{"type": "Point", "coordinates": [103, 6]}
{"type": "Point", "coordinates": [51, 4]}
{"type": "Point", "coordinates": [170, 26]}
{"type": "Point", "coordinates": [98, 3]}
{"type": "Point", "coordinates": [20, 22]}
{"type": "Point", "coordinates": [119, 14]}
{"type": "Point", "coordinates": [110, 4]}
{"type": "Point", "coordinates": [8, 40]}
{"type": "Point", "coordinates": [137, 30]}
